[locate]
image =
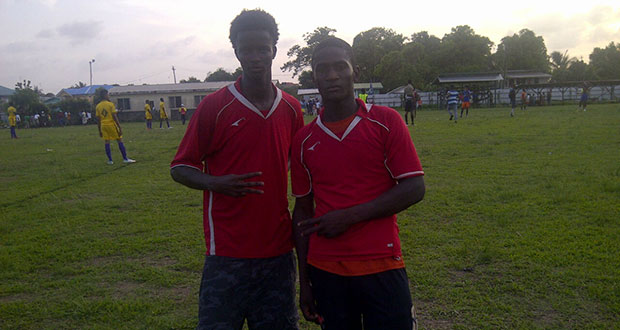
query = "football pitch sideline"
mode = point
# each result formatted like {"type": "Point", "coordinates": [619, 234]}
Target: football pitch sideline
{"type": "Point", "coordinates": [519, 227]}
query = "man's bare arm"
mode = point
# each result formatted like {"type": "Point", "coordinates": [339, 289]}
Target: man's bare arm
{"type": "Point", "coordinates": [304, 209]}
{"type": "Point", "coordinates": [407, 192]}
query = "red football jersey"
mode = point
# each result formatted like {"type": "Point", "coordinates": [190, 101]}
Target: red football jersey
{"type": "Point", "coordinates": [367, 160]}
{"type": "Point", "coordinates": [228, 135]}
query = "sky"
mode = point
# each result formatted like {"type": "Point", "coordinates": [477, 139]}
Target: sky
{"type": "Point", "coordinates": [50, 42]}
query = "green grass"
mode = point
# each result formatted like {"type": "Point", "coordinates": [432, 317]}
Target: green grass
{"type": "Point", "coordinates": [519, 228]}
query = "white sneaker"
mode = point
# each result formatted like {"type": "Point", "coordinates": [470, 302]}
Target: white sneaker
{"type": "Point", "coordinates": [110, 162]}
{"type": "Point", "coordinates": [170, 127]}
{"type": "Point", "coordinates": [128, 161]}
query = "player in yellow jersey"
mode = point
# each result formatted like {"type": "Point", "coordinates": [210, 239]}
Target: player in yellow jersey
{"type": "Point", "coordinates": [183, 111]}
{"type": "Point", "coordinates": [12, 119]}
{"type": "Point", "coordinates": [147, 115]}
{"type": "Point", "coordinates": [162, 113]}
{"type": "Point", "coordinates": [110, 127]}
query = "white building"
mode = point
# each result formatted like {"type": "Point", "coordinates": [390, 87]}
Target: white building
{"type": "Point", "coordinates": [130, 100]}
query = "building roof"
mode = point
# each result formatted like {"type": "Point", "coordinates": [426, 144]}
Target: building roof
{"type": "Point", "coordinates": [6, 91]}
{"type": "Point", "coordinates": [84, 91]}
{"type": "Point", "coordinates": [356, 86]}
{"type": "Point", "coordinates": [210, 86]}
{"type": "Point", "coordinates": [522, 74]}
{"type": "Point", "coordinates": [460, 78]}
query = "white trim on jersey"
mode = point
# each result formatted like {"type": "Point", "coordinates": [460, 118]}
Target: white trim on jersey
{"type": "Point", "coordinates": [330, 133]}
{"type": "Point", "coordinates": [211, 230]}
{"type": "Point", "coordinates": [251, 106]}
{"type": "Point", "coordinates": [378, 123]}
{"type": "Point", "coordinates": [185, 165]}
{"type": "Point", "coordinates": [409, 174]}
{"type": "Point", "coordinates": [301, 159]}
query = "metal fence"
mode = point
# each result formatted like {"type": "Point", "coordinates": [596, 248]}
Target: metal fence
{"type": "Point", "coordinates": [499, 96]}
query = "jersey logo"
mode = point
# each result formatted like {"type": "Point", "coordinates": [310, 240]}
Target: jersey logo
{"type": "Point", "coordinates": [314, 145]}
{"type": "Point", "coordinates": [237, 122]}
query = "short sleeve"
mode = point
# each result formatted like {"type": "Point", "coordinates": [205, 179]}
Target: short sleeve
{"type": "Point", "coordinates": [401, 157]}
{"type": "Point", "coordinates": [194, 145]}
{"type": "Point", "coordinates": [301, 180]}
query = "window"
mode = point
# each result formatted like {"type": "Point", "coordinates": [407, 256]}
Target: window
{"type": "Point", "coordinates": [123, 104]}
{"type": "Point", "coordinates": [174, 101]}
{"type": "Point", "coordinates": [198, 99]}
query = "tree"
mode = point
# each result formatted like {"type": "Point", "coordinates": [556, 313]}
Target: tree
{"type": "Point", "coordinates": [26, 98]}
{"type": "Point", "coordinates": [579, 71]}
{"type": "Point", "coordinates": [462, 50]}
{"type": "Point", "coordinates": [301, 56]}
{"type": "Point", "coordinates": [98, 97]}
{"type": "Point", "coordinates": [26, 84]}
{"type": "Point", "coordinates": [560, 64]}
{"type": "Point", "coordinates": [74, 105]}
{"type": "Point", "coordinates": [191, 79]}
{"type": "Point", "coordinates": [370, 46]}
{"type": "Point", "coordinates": [394, 70]}
{"type": "Point", "coordinates": [78, 85]}
{"type": "Point", "coordinates": [605, 63]}
{"type": "Point", "coordinates": [222, 75]}
{"type": "Point", "coordinates": [305, 80]}
{"type": "Point", "coordinates": [523, 51]}
{"type": "Point", "coordinates": [423, 54]}
{"type": "Point", "coordinates": [289, 88]}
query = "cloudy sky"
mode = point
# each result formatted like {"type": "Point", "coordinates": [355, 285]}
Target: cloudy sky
{"type": "Point", "coordinates": [51, 42]}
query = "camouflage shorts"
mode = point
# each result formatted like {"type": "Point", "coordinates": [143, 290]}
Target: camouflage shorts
{"type": "Point", "coordinates": [261, 291]}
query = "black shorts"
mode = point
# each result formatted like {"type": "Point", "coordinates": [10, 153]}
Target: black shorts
{"type": "Point", "coordinates": [378, 301]}
{"type": "Point", "coordinates": [408, 104]}
{"type": "Point", "coordinates": [261, 291]}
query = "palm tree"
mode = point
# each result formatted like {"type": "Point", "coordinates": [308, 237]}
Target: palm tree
{"type": "Point", "coordinates": [560, 63]}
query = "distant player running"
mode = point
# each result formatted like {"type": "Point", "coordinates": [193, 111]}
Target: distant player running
{"type": "Point", "coordinates": [110, 127]}
{"type": "Point", "coordinates": [148, 115]}
{"type": "Point", "coordinates": [162, 113]}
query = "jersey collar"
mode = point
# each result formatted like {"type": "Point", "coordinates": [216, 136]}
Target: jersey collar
{"type": "Point", "coordinates": [235, 89]}
{"type": "Point", "coordinates": [362, 112]}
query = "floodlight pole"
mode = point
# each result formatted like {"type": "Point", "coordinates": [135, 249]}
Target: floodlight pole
{"type": "Point", "coordinates": [90, 64]}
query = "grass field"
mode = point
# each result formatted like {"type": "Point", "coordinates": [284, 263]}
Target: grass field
{"type": "Point", "coordinates": [519, 228]}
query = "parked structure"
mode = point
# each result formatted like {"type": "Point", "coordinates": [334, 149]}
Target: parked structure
{"type": "Point", "coordinates": [130, 100]}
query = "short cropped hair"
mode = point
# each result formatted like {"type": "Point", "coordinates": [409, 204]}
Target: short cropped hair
{"type": "Point", "coordinates": [334, 42]}
{"type": "Point", "coordinates": [253, 20]}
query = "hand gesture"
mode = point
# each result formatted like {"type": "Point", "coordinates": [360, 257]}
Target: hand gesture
{"type": "Point", "coordinates": [235, 185]}
{"type": "Point", "coordinates": [330, 224]}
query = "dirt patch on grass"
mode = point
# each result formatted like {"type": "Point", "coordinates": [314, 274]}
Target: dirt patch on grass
{"type": "Point", "coordinates": [19, 297]}
{"type": "Point", "coordinates": [143, 261]}
{"type": "Point", "coordinates": [124, 289]}
{"type": "Point", "coordinates": [427, 311]}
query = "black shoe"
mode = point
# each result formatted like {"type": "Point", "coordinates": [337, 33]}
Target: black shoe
{"type": "Point", "coordinates": [451, 116]}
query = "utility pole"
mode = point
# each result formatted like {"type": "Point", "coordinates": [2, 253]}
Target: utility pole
{"type": "Point", "coordinates": [174, 74]}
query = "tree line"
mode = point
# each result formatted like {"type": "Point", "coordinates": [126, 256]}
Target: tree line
{"type": "Point", "coordinates": [389, 57]}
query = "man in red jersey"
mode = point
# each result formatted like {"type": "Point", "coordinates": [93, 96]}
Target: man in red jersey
{"type": "Point", "coordinates": [236, 149]}
{"type": "Point", "coordinates": [357, 163]}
